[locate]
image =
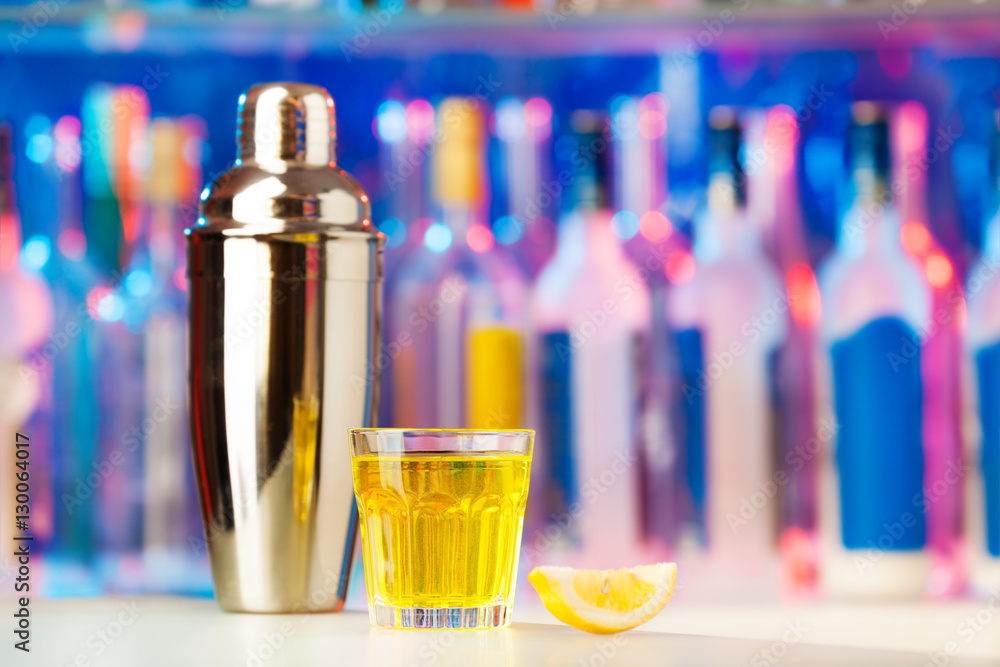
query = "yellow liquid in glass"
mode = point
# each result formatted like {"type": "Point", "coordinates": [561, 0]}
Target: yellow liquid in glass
{"type": "Point", "coordinates": [441, 530]}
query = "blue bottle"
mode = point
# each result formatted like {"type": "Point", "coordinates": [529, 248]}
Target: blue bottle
{"type": "Point", "coordinates": [983, 344]}
{"type": "Point", "coordinates": [876, 303]}
{"type": "Point", "coordinates": [730, 318]}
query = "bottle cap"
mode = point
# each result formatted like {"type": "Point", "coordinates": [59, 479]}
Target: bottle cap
{"type": "Point", "coordinates": [457, 162]}
{"type": "Point", "coordinates": [725, 137]}
{"type": "Point", "coordinates": [586, 154]}
{"type": "Point", "coordinates": [868, 139]}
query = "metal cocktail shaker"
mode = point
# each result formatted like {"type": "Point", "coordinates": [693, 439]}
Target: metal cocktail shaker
{"type": "Point", "coordinates": [285, 270]}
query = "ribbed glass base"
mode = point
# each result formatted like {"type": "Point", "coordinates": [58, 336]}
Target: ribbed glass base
{"type": "Point", "coordinates": [460, 618]}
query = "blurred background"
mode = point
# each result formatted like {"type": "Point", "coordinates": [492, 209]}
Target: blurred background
{"type": "Point", "coordinates": [734, 261]}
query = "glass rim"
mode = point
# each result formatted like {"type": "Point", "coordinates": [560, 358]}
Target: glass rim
{"type": "Point", "coordinates": [415, 441]}
{"type": "Point", "coordinates": [443, 431]}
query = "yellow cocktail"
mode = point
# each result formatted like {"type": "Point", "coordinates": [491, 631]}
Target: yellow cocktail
{"type": "Point", "coordinates": [441, 516]}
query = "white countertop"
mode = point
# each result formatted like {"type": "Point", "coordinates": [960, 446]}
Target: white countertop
{"type": "Point", "coordinates": [149, 631]}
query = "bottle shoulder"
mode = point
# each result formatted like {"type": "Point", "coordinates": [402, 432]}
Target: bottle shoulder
{"type": "Point", "coordinates": [982, 291]}
{"type": "Point", "coordinates": [491, 283]}
{"type": "Point", "coordinates": [733, 299]}
{"type": "Point", "coordinates": [564, 292]}
{"type": "Point", "coordinates": [856, 289]}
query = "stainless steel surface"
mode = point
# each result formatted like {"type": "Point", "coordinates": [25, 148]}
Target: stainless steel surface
{"type": "Point", "coordinates": [285, 303]}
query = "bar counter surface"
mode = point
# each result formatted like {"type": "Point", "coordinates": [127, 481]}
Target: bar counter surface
{"type": "Point", "coordinates": [148, 631]}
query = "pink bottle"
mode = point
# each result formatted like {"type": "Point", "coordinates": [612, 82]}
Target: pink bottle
{"type": "Point", "coordinates": [942, 355]}
{"type": "Point", "coordinates": [731, 317]}
{"type": "Point", "coordinates": [591, 317]}
{"type": "Point", "coordinates": [772, 147]}
{"type": "Point", "coordinates": [27, 306]}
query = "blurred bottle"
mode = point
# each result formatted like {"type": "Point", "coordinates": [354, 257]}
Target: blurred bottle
{"type": "Point", "coordinates": [639, 133]}
{"type": "Point", "coordinates": [102, 215]}
{"type": "Point", "coordinates": [983, 337]}
{"type": "Point", "coordinates": [121, 120]}
{"type": "Point", "coordinates": [874, 532]}
{"type": "Point", "coordinates": [591, 312]}
{"type": "Point", "coordinates": [460, 301]}
{"type": "Point", "coordinates": [774, 201]}
{"type": "Point", "coordinates": [286, 4]}
{"type": "Point", "coordinates": [731, 317]}
{"type": "Point", "coordinates": [527, 191]}
{"type": "Point", "coordinates": [941, 356]}
{"type": "Point", "coordinates": [26, 304]}
{"type": "Point", "coordinates": [404, 133]}
{"type": "Point", "coordinates": [73, 367]}
{"type": "Point", "coordinates": [170, 525]}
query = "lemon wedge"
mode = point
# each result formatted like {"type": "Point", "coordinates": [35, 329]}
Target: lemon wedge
{"type": "Point", "coordinates": [605, 601]}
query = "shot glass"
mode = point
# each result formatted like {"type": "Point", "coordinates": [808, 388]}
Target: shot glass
{"type": "Point", "coordinates": [441, 513]}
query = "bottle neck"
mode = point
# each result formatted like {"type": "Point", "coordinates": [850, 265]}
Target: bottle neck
{"type": "Point", "coordinates": [723, 197]}
{"type": "Point", "coordinates": [872, 224]}
{"type": "Point", "coordinates": [724, 229]}
{"type": "Point", "coordinates": [991, 240]}
{"type": "Point", "coordinates": [457, 217]}
{"type": "Point", "coordinates": [586, 235]}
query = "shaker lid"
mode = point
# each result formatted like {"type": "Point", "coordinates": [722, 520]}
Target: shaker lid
{"type": "Point", "coordinates": [286, 122]}
{"type": "Point", "coordinates": [285, 178]}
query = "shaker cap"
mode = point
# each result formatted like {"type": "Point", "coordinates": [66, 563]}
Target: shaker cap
{"type": "Point", "coordinates": [286, 122]}
{"type": "Point", "coordinates": [285, 177]}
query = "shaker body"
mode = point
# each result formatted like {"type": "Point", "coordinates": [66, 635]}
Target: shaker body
{"type": "Point", "coordinates": [279, 371]}
{"type": "Point", "coordinates": [284, 275]}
